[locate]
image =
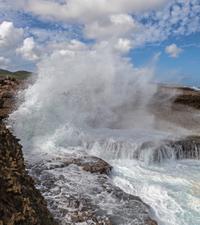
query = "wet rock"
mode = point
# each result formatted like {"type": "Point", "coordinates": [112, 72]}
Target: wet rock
{"type": "Point", "coordinates": [76, 194]}
{"type": "Point", "coordinates": [20, 202]}
{"type": "Point", "coordinates": [88, 163]}
{"type": "Point", "coordinates": [186, 148]}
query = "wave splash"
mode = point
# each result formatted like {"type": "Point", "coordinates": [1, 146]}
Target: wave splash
{"type": "Point", "coordinates": [95, 101]}
{"type": "Point", "coordinates": [88, 89]}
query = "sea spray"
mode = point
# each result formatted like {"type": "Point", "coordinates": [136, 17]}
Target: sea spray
{"type": "Point", "coordinates": [83, 90]}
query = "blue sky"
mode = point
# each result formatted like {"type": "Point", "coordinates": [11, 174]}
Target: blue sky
{"type": "Point", "coordinates": [140, 30]}
{"type": "Point", "coordinates": [183, 69]}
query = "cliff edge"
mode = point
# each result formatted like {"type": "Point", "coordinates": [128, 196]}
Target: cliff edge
{"type": "Point", "coordinates": [20, 202]}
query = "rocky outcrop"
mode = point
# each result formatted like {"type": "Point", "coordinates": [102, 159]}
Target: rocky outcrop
{"type": "Point", "coordinates": [78, 190]}
{"type": "Point", "coordinates": [20, 202]}
{"type": "Point", "coordinates": [8, 89]}
{"type": "Point", "coordinates": [180, 95]}
{"type": "Point", "coordinates": [185, 148]}
{"type": "Point", "coordinates": [188, 97]}
{"type": "Point", "coordinates": [188, 148]}
{"type": "Point", "coordinates": [176, 109]}
{"type": "Point", "coordinates": [90, 164]}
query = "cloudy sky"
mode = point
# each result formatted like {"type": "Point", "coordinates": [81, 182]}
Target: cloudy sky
{"type": "Point", "coordinates": [164, 31]}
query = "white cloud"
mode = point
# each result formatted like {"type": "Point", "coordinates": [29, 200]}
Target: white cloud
{"type": "Point", "coordinates": [28, 50]}
{"type": "Point", "coordinates": [115, 24]}
{"type": "Point", "coordinates": [123, 45]}
{"type": "Point", "coordinates": [103, 19]}
{"type": "Point", "coordinates": [178, 17]}
{"type": "Point", "coordinates": [118, 25]}
{"type": "Point", "coordinates": [10, 36]}
{"type": "Point", "coordinates": [173, 50]}
{"type": "Point", "coordinates": [86, 10]}
{"type": "Point", "coordinates": [4, 62]}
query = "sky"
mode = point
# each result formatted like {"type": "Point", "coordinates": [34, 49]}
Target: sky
{"type": "Point", "coordinates": [165, 33]}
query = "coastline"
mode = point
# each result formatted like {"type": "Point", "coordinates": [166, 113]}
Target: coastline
{"type": "Point", "coordinates": [36, 212]}
{"type": "Point", "coordinates": [23, 203]}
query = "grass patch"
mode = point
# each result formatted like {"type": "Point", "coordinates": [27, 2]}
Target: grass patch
{"type": "Point", "coordinates": [20, 75]}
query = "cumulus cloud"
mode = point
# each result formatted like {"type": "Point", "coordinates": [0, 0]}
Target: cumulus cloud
{"type": "Point", "coordinates": [10, 36]}
{"type": "Point", "coordinates": [28, 50]}
{"type": "Point", "coordinates": [118, 25]}
{"type": "Point", "coordinates": [86, 10]}
{"type": "Point", "coordinates": [102, 19]}
{"type": "Point", "coordinates": [173, 50]}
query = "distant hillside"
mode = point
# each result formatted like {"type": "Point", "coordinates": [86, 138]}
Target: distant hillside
{"type": "Point", "coordinates": [21, 75]}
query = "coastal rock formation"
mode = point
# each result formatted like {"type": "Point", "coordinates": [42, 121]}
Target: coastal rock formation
{"type": "Point", "coordinates": [185, 148]}
{"type": "Point", "coordinates": [8, 89]}
{"type": "Point", "coordinates": [179, 95]}
{"type": "Point", "coordinates": [20, 202]}
{"type": "Point", "coordinates": [78, 190]}
{"type": "Point", "coordinates": [188, 148]}
{"type": "Point", "coordinates": [176, 109]}
{"type": "Point", "coordinates": [188, 96]}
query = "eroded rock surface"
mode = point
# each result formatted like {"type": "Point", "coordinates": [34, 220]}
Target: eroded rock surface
{"type": "Point", "coordinates": [20, 202]}
{"type": "Point", "coordinates": [79, 191]}
{"type": "Point", "coordinates": [8, 90]}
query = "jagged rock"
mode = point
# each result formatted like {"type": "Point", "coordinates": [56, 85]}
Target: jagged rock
{"type": "Point", "coordinates": [8, 90]}
{"type": "Point", "coordinates": [20, 202]}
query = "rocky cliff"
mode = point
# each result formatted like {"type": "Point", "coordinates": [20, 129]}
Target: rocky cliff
{"type": "Point", "coordinates": [20, 202]}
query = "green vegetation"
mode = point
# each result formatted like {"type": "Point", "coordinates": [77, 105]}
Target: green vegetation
{"type": "Point", "coordinates": [21, 75]}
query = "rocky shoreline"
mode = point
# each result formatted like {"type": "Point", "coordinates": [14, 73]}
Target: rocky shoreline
{"type": "Point", "coordinates": [22, 204]}
{"type": "Point", "coordinates": [20, 200]}
{"type": "Point", "coordinates": [94, 200]}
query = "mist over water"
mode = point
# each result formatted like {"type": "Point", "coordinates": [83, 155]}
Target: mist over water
{"type": "Point", "coordinates": [95, 101]}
